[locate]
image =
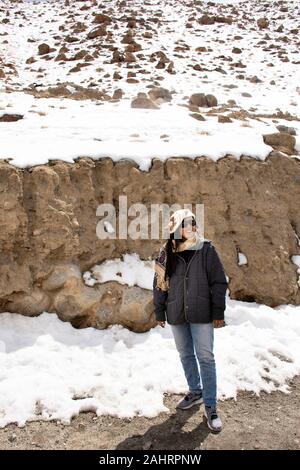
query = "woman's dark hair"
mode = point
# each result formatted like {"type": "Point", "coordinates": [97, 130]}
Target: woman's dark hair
{"type": "Point", "coordinates": [172, 256]}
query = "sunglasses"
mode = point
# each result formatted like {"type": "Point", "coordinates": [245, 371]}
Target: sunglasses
{"type": "Point", "coordinates": [187, 222]}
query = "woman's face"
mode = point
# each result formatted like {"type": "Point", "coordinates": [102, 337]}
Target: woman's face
{"type": "Point", "coordinates": [187, 231]}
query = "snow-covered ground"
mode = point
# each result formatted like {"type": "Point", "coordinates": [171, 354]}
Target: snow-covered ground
{"type": "Point", "coordinates": [49, 370]}
{"type": "Point", "coordinates": [60, 128]}
{"type": "Point", "coordinates": [70, 129]}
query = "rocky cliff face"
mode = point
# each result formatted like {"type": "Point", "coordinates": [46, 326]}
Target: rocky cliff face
{"type": "Point", "coordinates": [48, 231]}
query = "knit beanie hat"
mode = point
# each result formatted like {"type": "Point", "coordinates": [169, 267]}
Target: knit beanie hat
{"type": "Point", "coordinates": [177, 218]}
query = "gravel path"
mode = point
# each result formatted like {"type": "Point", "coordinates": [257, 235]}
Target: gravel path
{"type": "Point", "coordinates": [270, 421]}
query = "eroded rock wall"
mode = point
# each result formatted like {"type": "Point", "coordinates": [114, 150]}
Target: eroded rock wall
{"type": "Point", "coordinates": [48, 231]}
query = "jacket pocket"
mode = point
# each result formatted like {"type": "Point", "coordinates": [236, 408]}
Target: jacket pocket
{"type": "Point", "coordinates": [174, 313]}
{"type": "Point", "coordinates": [200, 309]}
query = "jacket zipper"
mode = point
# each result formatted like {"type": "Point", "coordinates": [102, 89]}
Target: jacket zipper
{"type": "Point", "coordinates": [184, 285]}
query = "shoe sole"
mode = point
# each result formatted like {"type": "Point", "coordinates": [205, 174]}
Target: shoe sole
{"type": "Point", "coordinates": [214, 430]}
{"type": "Point", "coordinates": [196, 402]}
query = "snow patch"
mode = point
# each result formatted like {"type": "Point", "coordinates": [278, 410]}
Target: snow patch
{"type": "Point", "coordinates": [50, 370]}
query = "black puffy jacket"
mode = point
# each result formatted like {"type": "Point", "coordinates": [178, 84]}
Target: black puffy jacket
{"type": "Point", "coordinates": [197, 290]}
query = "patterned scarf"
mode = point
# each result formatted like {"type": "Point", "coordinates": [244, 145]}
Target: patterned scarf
{"type": "Point", "coordinates": [192, 243]}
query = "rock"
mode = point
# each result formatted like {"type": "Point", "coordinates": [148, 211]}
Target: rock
{"type": "Point", "coordinates": [220, 70]}
{"type": "Point", "coordinates": [43, 49]}
{"type": "Point", "coordinates": [117, 76]}
{"type": "Point", "coordinates": [79, 55]}
{"type": "Point", "coordinates": [143, 102]}
{"type": "Point", "coordinates": [202, 100]}
{"type": "Point", "coordinates": [97, 32]}
{"type": "Point", "coordinates": [231, 103]}
{"type": "Point", "coordinates": [60, 276]}
{"type": "Point", "coordinates": [77, 68]}
{"type": "Point", "coordinates": [133, 47]}
{"type": "Point", "coordinates": [287, 130]}
{"type": "Point", "coordinates": [80, 93]}
{"type": "Point", "coordinates": [117, 57]}
{"type": "Point", "coordinates": [100, 18]}
{"type": "Point", "coordinates": [61, 58]}
{"type": "Point", "coordinates": [236, 50]}
{"type": "Point", "coordinates": [70, 39]}
{"type": "Point", "coordinates": [206, 19]}
{"type": "Point", "coordinates": [160, 65]}
{"type": "Point", "coordinates": [88, 58]}
{"type": "Point", "coordinates": [131, 74]}
{"type": "Point", "coordinates": [129, 57]}
{"type": "Point", "coordinates": [223, 19]}
{"type": "Point", "coordinates": [128, 38]}
{"type": "Point", "coordinates": [131, 24]}
{"type": "Point", "coordinates": [137, 309]}
{"type": "Point", "coordinates": [160, 56]}
{"type": "Point", "coordinates": [79, 27]}
{"type": "Point", "coordinates": [10, 117]}
{"type": "Point", "coordinates": [29, 304]}
{"type": "Point", "coordinates": [262, 23]}
{"type": "Point", "coordinates": [118, 94]}
{"type": "Point", "coordinates": [197, 116]}
{"type": "Point", "coordinates": [281, 141]}
{"type": "Point", "coordinates": [224, 119]}
{"type": "Point", "coordinates": [170, 68]}
{"type": "Point", "coordinates": [255, 79]}
{"type": "Point", "coordinates": [110, 303]}
{"type": "Point", "coordinates": [160, 94]}
{"type": "Point", "coordinates": [198, 99]}
{"type": "Point", "coordinates": [211, 101]}
{"type": "Point", "coordinates": [132, 80]}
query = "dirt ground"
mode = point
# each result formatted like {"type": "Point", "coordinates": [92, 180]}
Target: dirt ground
{"type": "Point", "coordinates": [270, 421]}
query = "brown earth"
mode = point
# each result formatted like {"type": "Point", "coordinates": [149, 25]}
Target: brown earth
{"type": "Point", "coordinates": [270, 421]}
{"type": "Point", "coordinates": [48, 231]}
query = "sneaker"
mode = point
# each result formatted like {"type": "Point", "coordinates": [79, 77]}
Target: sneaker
{"type": "Point", "coordinates": [212, 419]}
{"type": "Point", "coordinates": [190, 399]}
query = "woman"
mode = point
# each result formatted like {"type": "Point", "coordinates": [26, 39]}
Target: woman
{"type": "Point", "coordinates": [189, 290]}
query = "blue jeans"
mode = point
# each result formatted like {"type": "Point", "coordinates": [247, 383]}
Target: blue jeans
{"type": "Point", "coordinates": [195, 342]}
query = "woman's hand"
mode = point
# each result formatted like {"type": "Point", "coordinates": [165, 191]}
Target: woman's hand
{"type": "Point", "coordinates": [161, 323]}
{"type": "Point", "coordinates": [218, 323]}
